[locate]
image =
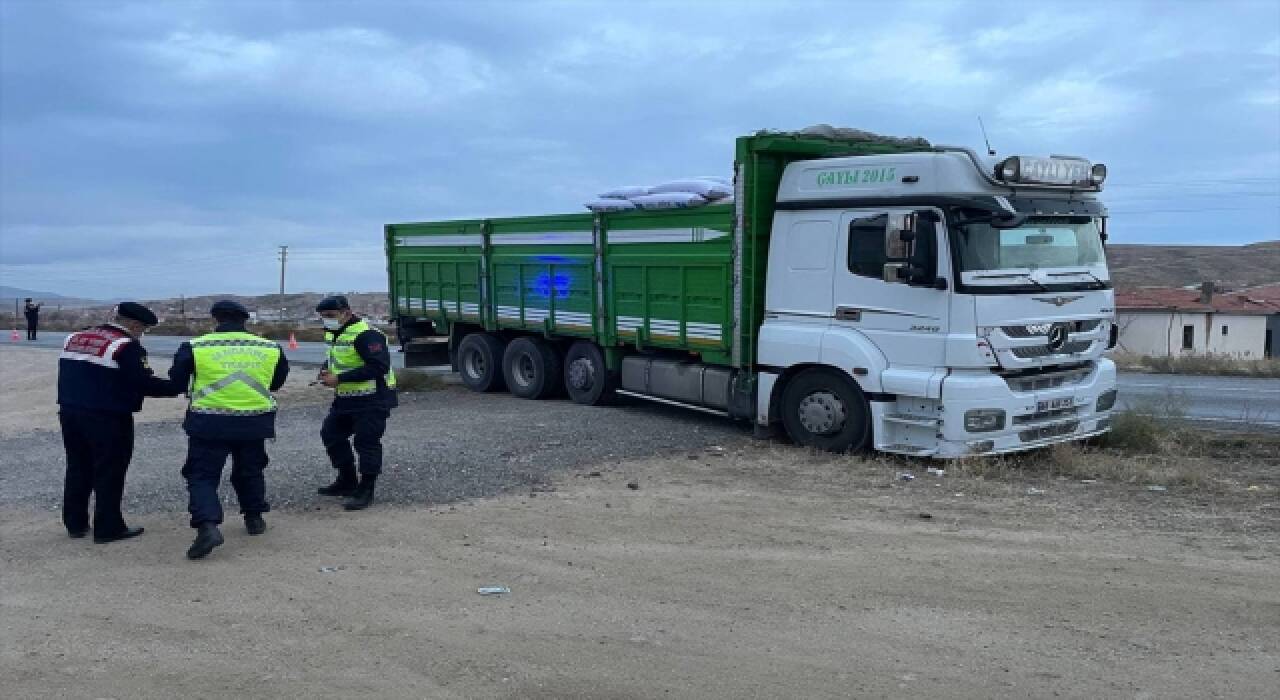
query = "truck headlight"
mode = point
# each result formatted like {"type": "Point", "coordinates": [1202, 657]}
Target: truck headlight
{"type": "Point", "coordinates": [1106, 400]}
{"type": "Point", "coordinates": [983, 420]}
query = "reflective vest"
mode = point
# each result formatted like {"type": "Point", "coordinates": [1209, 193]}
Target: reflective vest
{"type": "Point", "coordinates": [343, 357]}
{"type": "Point", "coordinates": [233, 374]}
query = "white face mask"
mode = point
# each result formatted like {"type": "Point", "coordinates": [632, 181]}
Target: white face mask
{"type": "Point", "coordinates": [332, 324]}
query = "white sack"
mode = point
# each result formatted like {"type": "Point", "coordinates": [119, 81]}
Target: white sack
{"type": "Point", "coordinates": [669, 200]}
{"type": "Point", "coordinates": [705, 188]}
{"type": "Point", "coordinates": [606, 204]}
{"type": "Point", "coordinates": [626, 192]}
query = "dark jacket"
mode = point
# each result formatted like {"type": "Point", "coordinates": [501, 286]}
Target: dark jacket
{"type": "Point", "coordinates": [32, 311]}
{"type": "Point", "coordinates": [105, 369]}
{"type": "Point", "coordinates": [214, 427]}
{"type": "Point", "coordinates": [371, 345]}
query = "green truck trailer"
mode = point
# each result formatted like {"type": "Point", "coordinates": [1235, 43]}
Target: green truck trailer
{"type": "Point", "coordinates": [763, 309]}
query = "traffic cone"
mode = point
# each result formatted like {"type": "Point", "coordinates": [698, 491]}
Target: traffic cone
{"type": "Point", "coordinates": [14, 337]}
{"type": "Point", "coordinates": [293, 341]}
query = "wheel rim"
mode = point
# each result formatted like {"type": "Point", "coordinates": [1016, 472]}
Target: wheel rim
{"type": "Point", "coordinates": [525, 372]}
{"type": "Point", "coordinates": [822, 413]}
{"type": "Point", "coordinates": [475, 365]}
{"type": "Point", "coordinates": [581, 374]}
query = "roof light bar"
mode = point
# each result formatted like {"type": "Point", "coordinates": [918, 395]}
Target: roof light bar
{"type": "Point", "coordinates": [1034, 170]}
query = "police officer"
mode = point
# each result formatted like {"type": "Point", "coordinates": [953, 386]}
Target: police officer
{"type": "Point", "coordinates": [359, 370]}
{"type": "Point", "coordinates": [230, 374]}
{"type": "Point", "coordinates": [31, 310]}
{"type": "Point", "coordinates": [103, 376]}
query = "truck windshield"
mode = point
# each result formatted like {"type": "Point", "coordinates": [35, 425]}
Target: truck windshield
{"type": "Point", "coordinates": [1069, 245]}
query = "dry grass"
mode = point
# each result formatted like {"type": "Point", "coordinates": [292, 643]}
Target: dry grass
{"type": "Point", "coordinates": [1145, 448]}
{"type": "Point", "coordinates": [408, 380]}
{"type": "Point", "coordinates": [1211, 365]}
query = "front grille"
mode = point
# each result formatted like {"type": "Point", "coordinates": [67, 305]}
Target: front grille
{"type": "Point", "coordinates": [1041, 416]}
{"type": "Point", "coordinates": [1048, 431]}
{"type": "Point", "coordinates": [1076, 327]}
{"type": "Point", "coordinates": [1036, 351]}
{"type": "Point", "coordinates": [1053, 378]}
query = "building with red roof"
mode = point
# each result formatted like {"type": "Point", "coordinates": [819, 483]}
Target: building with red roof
{"type": "Point", "coordinates": [1170, 321]}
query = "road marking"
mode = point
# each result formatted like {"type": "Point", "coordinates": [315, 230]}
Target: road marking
{"type": "Point", "coordinates": [1202, 388]}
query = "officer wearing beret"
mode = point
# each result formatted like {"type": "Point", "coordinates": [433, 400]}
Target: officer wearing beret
{"type": "Point", "coordinates": [358, 369]}
{"type": "Point", "coordinates": [103, 376]}
{"type": "Point", "coordinates": [230, 375]}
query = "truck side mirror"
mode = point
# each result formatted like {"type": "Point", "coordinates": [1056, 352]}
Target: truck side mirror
{"type": "Point", "coordinates": [900, 236]}
{"type": "Point", "coordinates": [895, 273]}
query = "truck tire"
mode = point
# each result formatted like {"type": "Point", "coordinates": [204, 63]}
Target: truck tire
{"type": "Point", "coordinates": [532, 368]}
{"type": "Point", "coordinates": [480, 362]}
{"type": "Point", "coordinates": [822, 409]}
{"type": "Point", "coordinates": [586, 378]}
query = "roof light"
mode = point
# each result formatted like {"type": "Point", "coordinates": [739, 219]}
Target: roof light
{"type": "Point", "coordinates": [1033, 170]}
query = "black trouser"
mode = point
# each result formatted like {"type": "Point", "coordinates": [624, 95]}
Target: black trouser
{"type": "Point", "coordinates": [99, 445]}
{"type": "Point", "coordinates": [32, 325]}
{"type": "Point", "coordinates": [366, 429]}
{"type": "Point", "coordinates": [203, 472]}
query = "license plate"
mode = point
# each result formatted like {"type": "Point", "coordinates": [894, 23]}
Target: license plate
{"type": "Point", "coordinates": [1053, 404]}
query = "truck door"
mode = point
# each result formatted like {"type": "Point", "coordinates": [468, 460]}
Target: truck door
{"type": "Point", "coordinates": [908, 321]}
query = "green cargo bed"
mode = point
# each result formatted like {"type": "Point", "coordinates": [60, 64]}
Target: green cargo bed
{"type": "Point", "coordinates": [646, 279]}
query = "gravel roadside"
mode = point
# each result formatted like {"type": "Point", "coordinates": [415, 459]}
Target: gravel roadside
{"type": "Point", "coordinates": [441, 446]}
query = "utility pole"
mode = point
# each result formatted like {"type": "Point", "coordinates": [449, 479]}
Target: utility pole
{"type": "Point", "coordinates": [284, 256]}
{"type": "Point", "coordinates": [182, 305]}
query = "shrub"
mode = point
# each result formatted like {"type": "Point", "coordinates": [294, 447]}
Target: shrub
{"type": "Point", "coordinates": [409, 380]}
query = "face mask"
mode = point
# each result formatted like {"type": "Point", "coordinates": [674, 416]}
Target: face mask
{"type": "Point", "coordinates": [332, 324]}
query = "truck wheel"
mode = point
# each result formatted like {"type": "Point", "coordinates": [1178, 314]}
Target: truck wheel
{"type": "Point", "coordinates": [822, 409]}
{"type": "Point", "coordinates": [586, 378]}
{"type": "Point", "coordinates": [532, 368]}
{"type": "Point", "coordinates": [480, 362]}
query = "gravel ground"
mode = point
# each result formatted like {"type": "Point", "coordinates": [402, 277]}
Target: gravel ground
{"type": "Point", "coordinates": [426, 462]}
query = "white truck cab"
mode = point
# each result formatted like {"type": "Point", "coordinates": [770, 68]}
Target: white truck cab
{"type": "Point", "coordinates": [967, 300]}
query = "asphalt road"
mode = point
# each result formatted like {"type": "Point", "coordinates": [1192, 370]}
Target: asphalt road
{"type": "Point", "coordinates": [1224, 400]}
{"type": "Point", "coordinates": [1227, 400]}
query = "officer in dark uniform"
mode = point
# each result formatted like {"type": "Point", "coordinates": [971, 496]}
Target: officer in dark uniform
{"type": "Point", "coordinates": [230, 374]}
{"type": "Point", "coordinates": [31, 310]}
{"type": "Point", "coordinates": [102, 378]}
{"type": "Point", "coordinates": [358, 369]}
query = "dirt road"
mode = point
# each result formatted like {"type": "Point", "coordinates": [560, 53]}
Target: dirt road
{"type": "Point", "coordinates": [747, 571]}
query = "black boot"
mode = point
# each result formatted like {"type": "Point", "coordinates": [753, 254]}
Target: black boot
{"type": "Point", "coordinates": [362, 497]}
{"type": "Point", "coordinates": [254, 523]}
{"type": "Point", "coordinates": [207, 537]}
{"type": "Point", "coordinates": [344, 485]}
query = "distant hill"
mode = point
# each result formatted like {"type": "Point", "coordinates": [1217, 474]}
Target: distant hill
{"type": "Point", "coordinates": [296, 306]}
{"type": "Point", "coordinates": [8, 294]}
{"type": "Point", "coordinates": [1232, 267]}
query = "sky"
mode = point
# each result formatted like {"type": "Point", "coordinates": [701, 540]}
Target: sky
{"type": "Point", "coordinates": [154, 149]}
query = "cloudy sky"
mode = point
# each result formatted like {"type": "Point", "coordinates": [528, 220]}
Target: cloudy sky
{"type": "Point", "coordinates": [151, 149]}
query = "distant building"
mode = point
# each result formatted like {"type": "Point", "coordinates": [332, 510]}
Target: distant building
{"type": "Point", "coordinates": [1172, 322]}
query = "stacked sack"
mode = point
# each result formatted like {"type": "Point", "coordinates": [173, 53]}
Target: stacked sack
{"type": "Point", "coordinates": [677, 194]}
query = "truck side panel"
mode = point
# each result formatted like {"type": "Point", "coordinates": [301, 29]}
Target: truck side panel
{"type": "Point", "coordinates": [669, 279]}
{"type": "Point", "coordinates": [436, 271]}
{"type": "Point", "coordinates": [542, 272]}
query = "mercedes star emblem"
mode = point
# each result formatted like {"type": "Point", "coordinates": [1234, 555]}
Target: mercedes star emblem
{"type": "Point", "coordinates": [1058, 337]}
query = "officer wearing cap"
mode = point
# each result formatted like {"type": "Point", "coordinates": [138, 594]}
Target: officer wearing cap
{"type": "Point", "coordinates": [103, 376]}
{"type": "Point", "coordinates": [358, 369]}
{"type": "Point", "coordinates": [230, 375]}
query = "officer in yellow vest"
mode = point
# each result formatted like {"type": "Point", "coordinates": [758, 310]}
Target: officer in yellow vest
{"type": "Point", "coordinates": [359, 371]}
{"type": "Point", "coordinates": [230, 374]}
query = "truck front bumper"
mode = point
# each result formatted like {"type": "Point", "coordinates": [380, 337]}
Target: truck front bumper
{"type": "Point", "coordinates": [1037, 410]}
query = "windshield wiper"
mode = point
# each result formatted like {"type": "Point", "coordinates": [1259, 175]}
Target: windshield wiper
{"type": "Point", "coordinates": [1023, 275]}
{"type": "Point", "coordinates": [1101, 284]}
